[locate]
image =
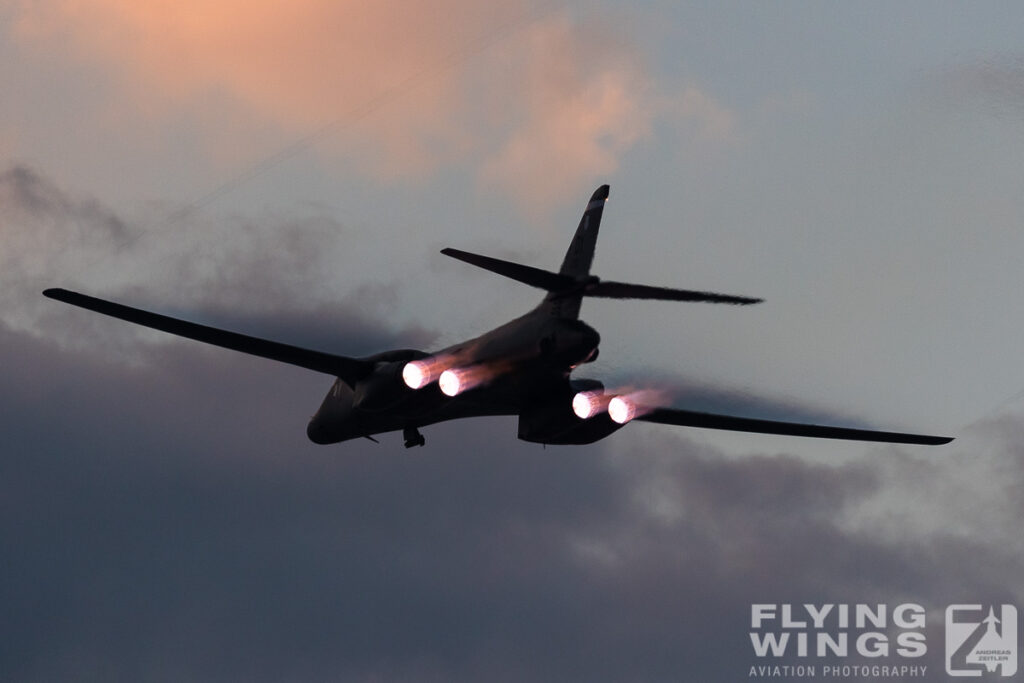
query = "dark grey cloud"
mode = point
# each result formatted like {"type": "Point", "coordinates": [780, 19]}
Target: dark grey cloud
{"type": "Point", "coordinates": [42, 228]}
{"type": "Point", "coordinates": [27, 197]}
{"type": "Point", "coordinates": [166, 520]}
{"type": "Point", "coordinates": [265, 274]}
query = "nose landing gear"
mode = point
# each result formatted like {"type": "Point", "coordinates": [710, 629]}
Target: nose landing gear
{"type": "Point", "coordinates": [413, 437]}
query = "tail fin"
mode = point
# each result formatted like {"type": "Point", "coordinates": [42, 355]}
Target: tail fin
{"type": "Point", "coordinates": [573, 281]}
{"type": "Point", "coordinates": [580, 255]}
{"type": "Point", "coordinates": [566, 287]}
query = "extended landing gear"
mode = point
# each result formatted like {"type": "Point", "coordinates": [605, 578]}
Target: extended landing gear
{"type": "Point", "coordinates": [413, 437]}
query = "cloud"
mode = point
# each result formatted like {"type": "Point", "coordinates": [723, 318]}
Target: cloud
{"type": "Point", "coordinates": [399, 88]}
{"type": "Point", "coordinates": [297, 66]}
{"type": "Point", "coordinates": [220, 272]}
{"type": "Point", "coordinates": [44, 230]}
{"type": "Point", "coordinates": [300, 62]}
{"type": "Point", "coordinates": [36, 213]}
{"type": "Point", "coordinates": [994, 85]}
{"type": "Point", "coordinates": [711, 120]}
{"type": "Point", "coordinates": [581, 110]}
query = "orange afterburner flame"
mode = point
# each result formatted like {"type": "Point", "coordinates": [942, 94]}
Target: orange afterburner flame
{"type": "Point", "coordinates": [626, 407]}
{"type": "Point", "coordinates": [419, 373]}
{"type": "Point", "coordinates": [454, 381]}
{"type": "Point", "coordinates": [587, 404]}
{"type": "Point", "coordinates": [451, 382]}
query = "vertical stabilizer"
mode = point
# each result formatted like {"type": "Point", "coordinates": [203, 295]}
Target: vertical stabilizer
{"type": "Point", "coordinates": [581, 251]}
{"type": "Point", "coordinates": [579, 256]}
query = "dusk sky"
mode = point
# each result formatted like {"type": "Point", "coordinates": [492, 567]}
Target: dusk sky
{"type": "Point", "coordinates": [291, 170]}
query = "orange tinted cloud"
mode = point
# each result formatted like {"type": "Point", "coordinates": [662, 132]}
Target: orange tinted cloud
{"type": "Point", "coordinates": [565, 106]}
{"type": "Point", "coordinates": [298, 65]}
{"type": "Point", "coordinates": [581, 109]}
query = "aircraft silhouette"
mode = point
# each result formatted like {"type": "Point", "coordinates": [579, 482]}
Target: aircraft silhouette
{"type": "Point", "coordinates": [521, 368]}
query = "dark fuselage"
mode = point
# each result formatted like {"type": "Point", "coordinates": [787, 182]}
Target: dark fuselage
{"type": "Point", "coordinates": [523, 363]}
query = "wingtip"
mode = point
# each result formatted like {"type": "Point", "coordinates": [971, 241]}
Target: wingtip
{"type": "Point", "coordinates": [930, 440]}
{"type": "Point", "coordinates": [600, 193]}
{"type": "Point", "coordinates": [54, 292]}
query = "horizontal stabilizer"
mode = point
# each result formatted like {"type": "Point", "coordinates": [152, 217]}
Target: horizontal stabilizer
{"type": "Point", "coordinates": [591, 286]}
{"type": "Point", "coordinates": [348, 369]}
{"type": "Point", "coordinates": [689, 418]}
{"type": "Point", "coordinates": [623, 290]}
{"type": "Point", "coordinates": [535, 277]}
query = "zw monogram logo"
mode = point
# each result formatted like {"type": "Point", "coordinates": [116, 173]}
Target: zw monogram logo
{"type": "Point", "coordinates": [981, 639]}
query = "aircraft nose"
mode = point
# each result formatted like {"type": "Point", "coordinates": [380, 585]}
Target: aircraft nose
{"type": "Point", "coordinates": [315, 430]}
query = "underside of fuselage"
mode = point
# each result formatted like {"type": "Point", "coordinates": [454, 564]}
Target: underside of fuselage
{"type": "Point", "coordinates": [519, 368]}
{"type": "Point", "coordinates": [338, 419]}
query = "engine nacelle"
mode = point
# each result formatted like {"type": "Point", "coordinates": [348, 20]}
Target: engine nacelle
{"type": "Point", "coordinates": [554, 421]}
{"type": "Point", "coordinates": [570, 342]}
{"type": "Point", "coordinates": [578, 385]}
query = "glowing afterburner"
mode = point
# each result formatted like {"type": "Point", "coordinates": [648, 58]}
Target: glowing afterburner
{"type": "Point", "coordinates": [587, 404]}
{"type": "Point", "coordinates": [415, 374]}
{"type": "Point", "coordinates": [419, 373]}
{"type": "Point", "coordinates": [626, 407]}
{"type": "Point", "coordinates": [451, 382]}
{"type": "Point", "coordinates": [454, 381]}
{"type": "Point", "coordinates": [621, 409]}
